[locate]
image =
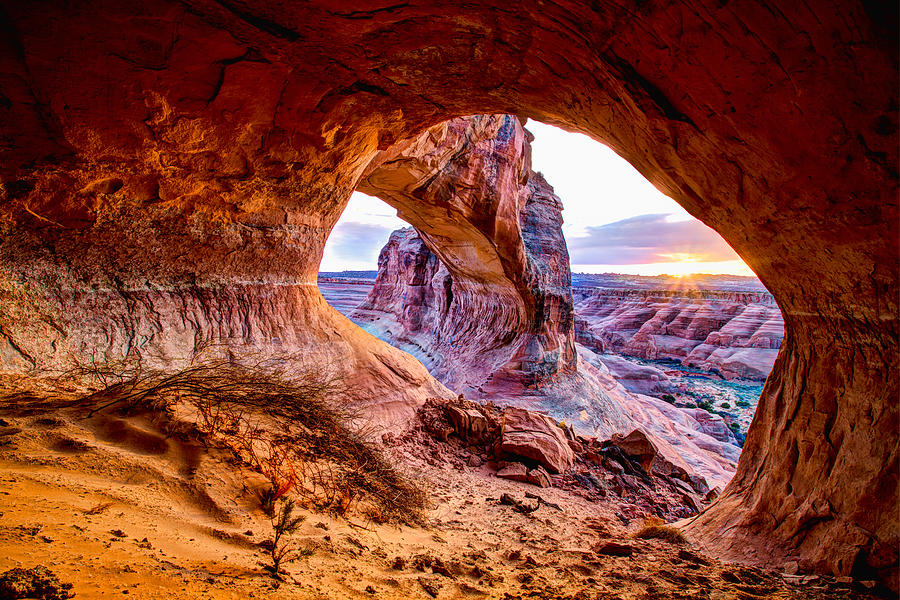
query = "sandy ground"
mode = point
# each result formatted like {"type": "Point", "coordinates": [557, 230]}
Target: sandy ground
{"type": "Point", "coordinates": [118, 509]}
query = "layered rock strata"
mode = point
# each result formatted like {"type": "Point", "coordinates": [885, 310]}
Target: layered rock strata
{"type": "Point", "coordinates": [735, 334]}
{"type": "Point", "coordinates": [492, 228]}
{"type": "Point", "coordinates": [194, 147]}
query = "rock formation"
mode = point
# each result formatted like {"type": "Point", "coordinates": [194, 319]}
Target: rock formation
{"type": "Point", "coordinates": [480, 290]}
{"type": "Point", "coordinates": [537, 437]}
{"type": "Point", "coordinates": [468, 189]}
{"type": "Point", "coordinates": [735, 334]}
{"type": "Point", "coordinates": [170, 166]}
{"type": "Point", "coordinates": [415, 301]}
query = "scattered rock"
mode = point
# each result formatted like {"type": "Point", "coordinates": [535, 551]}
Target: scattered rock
{"type": "Point", "coordinates": [519, 506]}
{"type": "Point", "coordinates": [542, 501]}
{"type": "Point", "coordinates": [636, 445]}
{"type": "Point", "coordinates": [539, 477]}
{"type": "Point", "coordinates": [37, 583]}
{"type": "Point", "coordinates": [475, 461]}
{"type": "Point", "coordinates": [431, 587]}
{"type": "Point", "coordinates": [469, 423]}
{"type": "Point", "coordinates": [791, 567]}
{"type": "Point", "coordinates": [438, 566]}
{"type": "Point", "coordinates": [614, 549]}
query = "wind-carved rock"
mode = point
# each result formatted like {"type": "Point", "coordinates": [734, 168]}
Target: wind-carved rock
{"type": "Point", "coordinates": [240, 133]}
{"type": "Point", "coordinates": [480, 289]}
{"type": "Point", "coordinates": [489, 246]}
{"type": "Point", "coordinates": [502, 329]}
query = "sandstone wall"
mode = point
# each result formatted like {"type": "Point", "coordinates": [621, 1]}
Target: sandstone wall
{"type": "Point", "coordinates": [198, 145]}
{"type": "Point", "coordinates": [489, 246]}
{"type": "Point", "coordinates": [481, 291]}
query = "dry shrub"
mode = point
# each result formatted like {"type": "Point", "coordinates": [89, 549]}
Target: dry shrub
{"type": "Point", "coordinates": [656, 528]}
{"type": "Point", "coordinates": [287, 425]}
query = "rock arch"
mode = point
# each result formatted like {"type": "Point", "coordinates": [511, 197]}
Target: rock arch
{"type": "Point", "coordinates": [171, 171]}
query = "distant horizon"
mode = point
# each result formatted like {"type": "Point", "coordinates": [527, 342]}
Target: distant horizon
{"type": "Point", "coordinates": [673, 276]}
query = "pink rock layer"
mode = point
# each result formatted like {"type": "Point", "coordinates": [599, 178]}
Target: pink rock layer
{"type": "Point", "coordinates": [732, 333]}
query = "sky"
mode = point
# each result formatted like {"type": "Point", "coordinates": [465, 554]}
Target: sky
{"type": "Point", "coordinates": [614, 220]}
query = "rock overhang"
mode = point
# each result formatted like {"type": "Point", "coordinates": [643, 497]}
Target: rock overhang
{"type": "Point", "coordinates": [785, 143]}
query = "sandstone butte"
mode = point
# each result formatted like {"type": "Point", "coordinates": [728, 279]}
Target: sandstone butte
{"type": "Point", "coordinates": [171, 171]}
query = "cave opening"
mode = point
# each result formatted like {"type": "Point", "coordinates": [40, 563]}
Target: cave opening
{"type": "Point", "coordinates": [698, 331]}
{"type": "Point", "coordinates": [171, 171]}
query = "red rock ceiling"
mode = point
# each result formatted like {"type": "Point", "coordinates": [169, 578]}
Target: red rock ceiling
{"type": "Point", "coordinates": [167, 163]}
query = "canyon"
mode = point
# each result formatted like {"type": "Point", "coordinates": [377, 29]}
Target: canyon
{"type": "Point", "coordinates": [171, 170]}
{"type": "Point", "coordinates": [735, 334]}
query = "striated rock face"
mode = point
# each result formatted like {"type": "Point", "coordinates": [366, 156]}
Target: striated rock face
{"type": "Point", "coordinates": [480, 290]}
{"type": "Point", "coordinates": [468, 189]}
{"type": "Point", "coordinates": [735, 334]}
{"type": "Point", "coordinates": [186, 153]}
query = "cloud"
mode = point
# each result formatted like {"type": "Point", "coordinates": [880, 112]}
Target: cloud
{"type": "Point", "coordinates": [352, 240]}
{"type": "Point", "coordinates": [649, 239]}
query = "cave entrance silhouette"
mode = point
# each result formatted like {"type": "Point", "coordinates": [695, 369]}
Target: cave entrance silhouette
{"type": "Point", "coordinates": [480, 174]}
{"type": "Point", "coordinates": [232, 134]}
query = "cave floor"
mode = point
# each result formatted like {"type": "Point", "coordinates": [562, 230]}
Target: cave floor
{"type": "Point", "coordinates": [115, 508]}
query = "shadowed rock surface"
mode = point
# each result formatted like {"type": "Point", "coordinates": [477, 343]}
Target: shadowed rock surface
{"type": "Point", "coordinates": [170, 166]}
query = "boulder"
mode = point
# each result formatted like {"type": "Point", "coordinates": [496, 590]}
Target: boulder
{"type": "Point", "coordinates": [537, 437]}
{"type": "Point", "coordinates": [539, 477]}
{"type": "Point", "coordinates": [636, 445]}
{"type": "Point", "coordinates": [468, 423]}
{"type": "Point", "coordinates": [515, 471]}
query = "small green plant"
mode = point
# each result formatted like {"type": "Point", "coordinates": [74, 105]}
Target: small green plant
{"type": "Point", "coordinates": [668, 398]}
{"type": "Point", "coordinates": [734, 427]}
{"type": "Point", "coordinates": [725, 405]}
{"type": "Point", "coordinates": [705, 405]}
{"type": "Point", "coordinates": [742, 404]}
{"type": "Point", "coordinates": [284, 523]}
